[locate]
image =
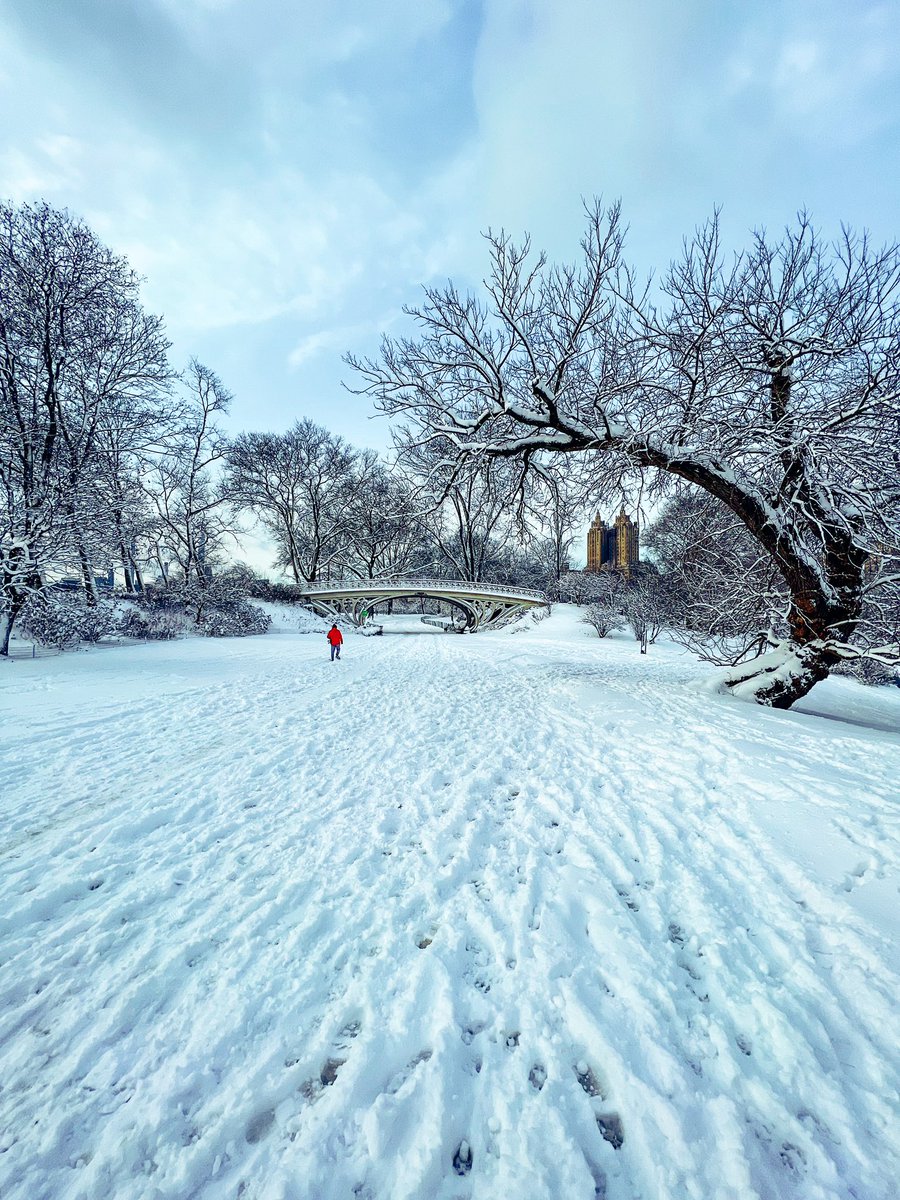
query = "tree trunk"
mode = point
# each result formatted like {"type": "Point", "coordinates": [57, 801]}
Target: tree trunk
{"type": "Point", "coordinates": [6, 626]}
{"type": "Point", "coordinates": [826, 594]}
{"type": "Point", "coordinates": [126, 567]}
{"type": "Point", "coordinates": [785, 674]}
{"type": "Point", "coordinates": [781, 676]}
{"type": "Point", "coordinates": [16, 598]}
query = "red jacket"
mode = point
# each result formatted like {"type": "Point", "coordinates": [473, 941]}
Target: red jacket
{"type": "Point", "coordinates": [335, 637]}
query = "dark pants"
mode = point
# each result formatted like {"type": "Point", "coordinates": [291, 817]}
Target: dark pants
{"type": "Point", "coordinates": [335, 652]}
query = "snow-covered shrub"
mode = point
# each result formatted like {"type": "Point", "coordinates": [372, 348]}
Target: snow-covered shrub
{"type": "Point", "coordinates": [160, 625]}
{"type": "Point", "coordinates": [49, 621]}
{"type": "Point", "coordinates": [54, 621]}
{"type": "Point", "coordinates": [280, 593]}
{"type": "Point", "coordinates": [215, 608]}
{"type": "Point", "coordinates": [238, 620]}
{"type": "Point", "coordinates": [648, 607]}
{"type": "Point", "coordinates": [579, 587]}
{"type": "Point", "coordinates": [97, 622]}
{"type": "Point", "coordinates": [869, 672]}
{"type": "Point", "coordinates": [602, 617]}
{"type": "Point", "coordinates": [157, 599]}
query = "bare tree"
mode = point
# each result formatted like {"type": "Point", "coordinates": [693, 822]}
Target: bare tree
{"type": "Point", "coordinates": [300, 485]}
{"type": "Point", "coordinates": [585, 587]}
{"type": "Point", "coordinates": [647, 606]}
{"type": "Point", "coordinates": [553, 511]}
{"type": "Point", "coordinates": [384, 526]}
{"type": "Point", "coordinates": [191, 518]}
{"type": "Point", "coordinates": [468, 514]}
{"type": "Point", "coordinates": [603, 617]}
{"type": "Point", "coordinates": [74, 343]}
{"type": "Point", "coordinates": [131, 440]}
{"type": "Point", "coordinates": [770, 382]}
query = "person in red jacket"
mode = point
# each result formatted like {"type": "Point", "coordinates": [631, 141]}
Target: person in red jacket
{"type": "Point", "coordinates": [336, 639]}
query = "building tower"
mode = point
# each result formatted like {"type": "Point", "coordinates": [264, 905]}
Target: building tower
{"type": "Point", "coordinates": [613, 547]}
{"type": "Point", "coordinates": [627, 542]}
{"type": "Point", "coordinates": [595, 544]}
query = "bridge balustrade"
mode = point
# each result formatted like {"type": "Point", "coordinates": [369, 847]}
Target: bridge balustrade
{"type": "Point", "coordinates": [452, 585]}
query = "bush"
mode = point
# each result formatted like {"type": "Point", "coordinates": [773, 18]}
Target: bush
{"type": "Point", "coordinates": [63, 623]}
{"type": "Point", "coordinates": [157, 599]}
{"type": "Point", "coordinates": [214, 608]}
{"type": "Point", "coordinates": [603, 617]}
{"type": "Point", "coordinates": [579, 587]}
{"type": "Point", "coordinates": [279, 593]}
{"type": "Point", "coordinates": [238, 620]}
{"type": "Point", "coordinates": [97, 622]}
{"type": "Point", "coordinates": [160, 625]}
{"type": "Point", "coordinates": [869, 672]}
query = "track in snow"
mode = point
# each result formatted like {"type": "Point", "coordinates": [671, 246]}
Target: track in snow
{"type": "Point", "coordinates": [451, 918]}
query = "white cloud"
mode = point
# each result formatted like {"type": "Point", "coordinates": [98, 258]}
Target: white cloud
{"type": "Point", "coordinates": [679, 108]}
{"type": "Point", "coordinates": [830, 74]}
{"type": "Point", "coordinates": [308, 347]}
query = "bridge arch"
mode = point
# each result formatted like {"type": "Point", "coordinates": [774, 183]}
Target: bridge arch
{"type": "Point", "coordinates": [485, 606]}
{"type": "Point", "coordinates": [461, 607]}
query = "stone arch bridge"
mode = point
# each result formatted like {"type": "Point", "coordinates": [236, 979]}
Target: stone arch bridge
{"type": "Point", "coordinates": [476, 605]}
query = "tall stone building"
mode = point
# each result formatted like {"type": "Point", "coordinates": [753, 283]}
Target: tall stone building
{"type": "Point", "coordinates": [613, 547]}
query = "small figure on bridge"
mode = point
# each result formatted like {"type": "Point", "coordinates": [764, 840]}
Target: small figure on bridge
{"type": "Point", "coordinates": [335, 640]}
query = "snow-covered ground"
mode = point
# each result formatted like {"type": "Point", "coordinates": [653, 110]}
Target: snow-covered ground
{"type": "Point", "coordinates": [517, 915]}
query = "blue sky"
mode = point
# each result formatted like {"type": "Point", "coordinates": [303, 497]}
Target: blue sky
{"type": "Point", "coordinates": [288, 174]}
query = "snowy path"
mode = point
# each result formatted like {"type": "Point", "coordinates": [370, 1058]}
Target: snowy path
{"type": "Point", "coordinates": [506, 916]}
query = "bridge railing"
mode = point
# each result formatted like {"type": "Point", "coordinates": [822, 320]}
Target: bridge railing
{"type": "Point", "coordinates": [342, 586]}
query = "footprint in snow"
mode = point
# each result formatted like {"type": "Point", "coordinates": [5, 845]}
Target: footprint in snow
{"type": "Point", "coordinates": [599, 1181]}
{"type": "Point", "coordinates": [588, 1079]}
{"type": "Point", "coordinates": [407, 1072]}
{"type": "Point", "coordinates": [462, 1158]}
{"type": "Point", "coordinates": [537, 1076]}
{"type": "Point", "coordinates": [329, 1072]}
{"type": "Point", "coordinates": [793, 1158]}
{"type": "Point", "coordinates": [686, 965]}
{"type": "Point", "coordinates": [854, 878]}
{"type": "Point", "coordinates": [311, 1089]}
{"type": "Point", "coordinates": [609, 1124]}
{"type": "Point", "coordinates": [629, 899]}
{"type": "Point", "coordinates": [259, 1126]}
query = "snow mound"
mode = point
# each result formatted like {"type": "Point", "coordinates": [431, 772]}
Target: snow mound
{"type": "Point", "coordinates": [292, 618]}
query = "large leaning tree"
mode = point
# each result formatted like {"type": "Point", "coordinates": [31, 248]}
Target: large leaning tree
{"type": "Point", "coordinates": [768, 379]}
